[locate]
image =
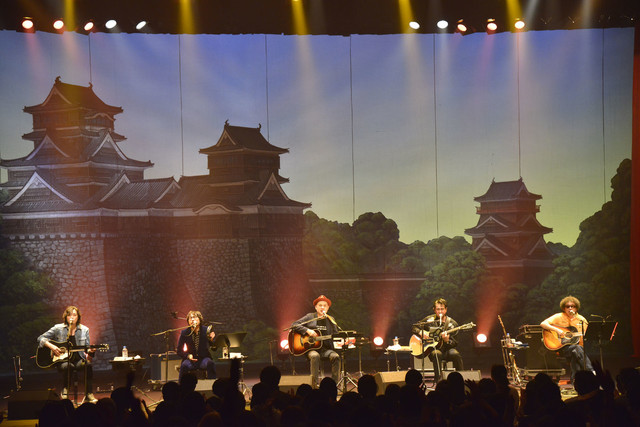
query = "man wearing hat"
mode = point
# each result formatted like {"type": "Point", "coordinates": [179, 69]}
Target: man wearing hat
{"type": "Point", "coordinates": [319, 324]}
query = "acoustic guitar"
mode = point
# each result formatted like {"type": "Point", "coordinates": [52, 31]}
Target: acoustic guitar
{"type": "Point", "coordinates": [45, 358]}
{"type": "Point", "coordinates": [300, 344]}
{"type": "Point", "coordinates": [553, 342]}
{"type": "Point", "coordinates": [435, 340]}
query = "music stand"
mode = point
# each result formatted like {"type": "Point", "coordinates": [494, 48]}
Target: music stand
{"type": "Point", "coordinates": [601, 331]}
{"type": "Point", "coordinates": [228, 341]}
{"type": "Point", "coordinates": [345, 378]}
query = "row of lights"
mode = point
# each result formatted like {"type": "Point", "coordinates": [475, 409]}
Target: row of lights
{"type": "Point", "coordinates": [491, 26]}
{"type": "Point", "coordinates": [58, 25]}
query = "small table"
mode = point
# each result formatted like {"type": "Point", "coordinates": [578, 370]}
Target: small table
{"type": "Point", "coordinates": [130, 364]}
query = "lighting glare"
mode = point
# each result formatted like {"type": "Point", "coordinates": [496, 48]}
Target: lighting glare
{"type": "Point", "coordinates": [284, 344]}
{"type": "Point", "coordinates": [414, 25]}
{"type": "Point", "coordinates": [58, 24]}
{"type": "Point", "coordinates": [88, 26]}
{"type": "Point", "coordinates": [482, 338]}
{"type": "Point", "coordinates": [141, 25]}
{"type": "Point", "coordinates": [27, 24]}
{"type": "Point", "coordinates": [110, 24]}
{"type": "Point", "coordinates": [378, 341]}
{"type": "Point", "coordinates": [519, 25]}
{"type": "Point", "coordinates": [491, 25]}
{"type": "Point", "coordinates": [461, 27]}
{"type": "Point", "coordinates": [442, 24]}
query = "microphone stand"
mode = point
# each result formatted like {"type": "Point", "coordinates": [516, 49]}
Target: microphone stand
{"type": "Point", "coordinates": [166, 341]}
{"type": "Point", "coordinates": [584, 348]}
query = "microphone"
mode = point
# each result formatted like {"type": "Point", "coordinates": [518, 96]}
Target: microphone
{"type": "Point", "coordinates": [440, 314]}
{"type": "Point", "coordinates": [571, 311]}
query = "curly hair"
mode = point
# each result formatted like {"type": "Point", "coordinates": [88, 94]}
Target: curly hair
{"type": "Point", "coordinates": [568, 299]}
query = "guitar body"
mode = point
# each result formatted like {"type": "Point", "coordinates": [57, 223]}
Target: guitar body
{"type": "Point", "coordinates": [435, 340]}
{"type": "Point", "coordinates": [420, 351]}
{"type": "Point", "coordinates": [46, 359]}
{"type": "Point", "coordinates": [553, 342]}
{"type": "Point", "coordinates": [300, 344]}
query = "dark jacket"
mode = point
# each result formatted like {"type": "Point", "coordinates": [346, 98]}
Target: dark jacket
{"type": "Point", "coordinates": [186, 337]}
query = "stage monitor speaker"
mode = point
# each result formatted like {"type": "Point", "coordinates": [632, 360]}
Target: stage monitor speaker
{"type": "Point", "coordinates": [383, 379]}
{"type": "Point", "coordinates": [26, 405]}
{"type": "Point", "coordinates": [472, 375]}
{"type": "Point", "coordinates": [292, 382]}
{"type": "Point", "coordinates": [204, 387]}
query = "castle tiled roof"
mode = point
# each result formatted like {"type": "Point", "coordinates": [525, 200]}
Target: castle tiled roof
{"type": "Point", "coordinates": [237, 138]}
{"type": "Point", "coordinates": [67, 95]}
{"type": "Point", "coordinates": [100, 150]}
{"type": "Point", "coordinates": [498, 224]}
{"type": "Point", "coordinates": [507, 190]}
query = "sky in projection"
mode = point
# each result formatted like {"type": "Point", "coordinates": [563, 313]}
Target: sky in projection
{"type": "Point", "coordinates": [413, 126]}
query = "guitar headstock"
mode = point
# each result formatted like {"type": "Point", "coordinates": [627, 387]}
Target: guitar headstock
{"type": "Point", "coordinates": [100, 347]}
{"type": "Point", "coordinates": [468, 326]}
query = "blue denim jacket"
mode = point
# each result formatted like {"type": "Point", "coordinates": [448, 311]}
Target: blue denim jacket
{"type": "Point", "coordinates": [59, 333]}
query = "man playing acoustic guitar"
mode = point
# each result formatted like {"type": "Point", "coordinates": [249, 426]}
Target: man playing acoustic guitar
{"type": "Point", "coordinates": [446, 347]}
{"type": "Point", "coordinates": [566, 330]}
{"type": "Point", "coordinates": [70, 333]}
{"type": "Point", "coordinates": [319, 325]}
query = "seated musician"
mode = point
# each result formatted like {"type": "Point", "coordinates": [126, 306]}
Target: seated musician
{"type": "Point", "coordinates": [193, 347]}
{"type": "Point", "coordinates": [564, 323]}
{"type": "Point", "coordinates": [446, 348]}
{"type": "Point", "coordinates": [317, 324]}
{"type": "Point", "coordinates": [71, 333]}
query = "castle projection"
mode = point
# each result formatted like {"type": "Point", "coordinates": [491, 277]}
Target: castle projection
{"type": "Point", "coordinates": [125, 248]}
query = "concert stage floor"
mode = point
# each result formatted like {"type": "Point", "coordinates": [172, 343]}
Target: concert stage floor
{"type": "Point", "coordinates": [106, 380]}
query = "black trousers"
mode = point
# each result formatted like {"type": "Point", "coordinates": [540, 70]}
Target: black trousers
{"type": "Point", "coordinates": [78, 366]}
{"type": "Point", "coordinates": [437, 356]}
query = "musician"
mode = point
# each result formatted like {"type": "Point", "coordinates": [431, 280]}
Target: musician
{"type": "Point", "coordinates": [193, 346]}
{"type": "Point", "coordinates": [72, 333]}
{"type": "Point", "coordinates": [569, 318]}
{"type": "Point", "coordinates": [320, 324]}
{"type": "Point", "coordinates": [446, 349]}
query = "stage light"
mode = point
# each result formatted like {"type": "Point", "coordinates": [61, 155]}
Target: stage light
{"type": "Point", "coordinates": [519, 24]}
{"type": "Point", "coordinates": [58, 24]}
{"type": "Point", "coordinates": [140, 25]}
{"type": "Point", "coordinates": [88, 26]}
{"type": "Point", "coordinates": [414, 25]}
{"type": "Point", "coordinates": [442, 24]}
{"type": "Point", "coordinates": [491, 26]}
{"type": "Point", "coordinates": [461, 26]}
{"type": "Point", "coordinates": [111, 23]}
{"type": "Point", "coordinates": [283, 350]}
{"type": "Point", "coordinates": [481, 340]}
{"type": "Point", "coordinates": [27, 23]}
{"type": "Point", "coordinates": [376, 347]}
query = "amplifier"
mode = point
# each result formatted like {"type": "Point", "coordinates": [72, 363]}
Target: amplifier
{"type": "Point", "coordinates": [160, 370]}
{"type": "Point", "coordinates": [530, 329]}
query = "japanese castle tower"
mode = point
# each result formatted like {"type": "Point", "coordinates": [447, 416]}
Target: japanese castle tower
{"type": "Point", "coordinates": [509, 236]}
